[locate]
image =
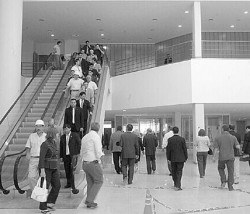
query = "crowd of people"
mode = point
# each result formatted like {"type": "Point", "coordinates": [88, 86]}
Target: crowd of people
{"type": "Point", "coordinates": [79, 149]}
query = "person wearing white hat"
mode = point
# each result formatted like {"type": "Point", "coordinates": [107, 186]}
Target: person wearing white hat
{"type": "Point", "coordinates": [32, 146]}
{"type": "Point", "coordinates": [75, 85]}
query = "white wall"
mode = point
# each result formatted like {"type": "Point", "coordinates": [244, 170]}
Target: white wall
{"type": "Point", "coordinates": [27, 50]}
{"type": "Point", "coordinates": [193, 81]}
{"type": "Point", "coordinates": [159, 86]}
{"type": "Point", "coordinates": [220, 80]}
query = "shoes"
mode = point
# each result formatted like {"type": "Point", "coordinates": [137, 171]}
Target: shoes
{"type": "Point", "coordinates": [125, 181]}
{"type": "Point", "coordinates": [153, 172]}
{"type": "Point", "coordinates": [91, 205]}
{"type": "Point", "coordinates": [230, 188]}
{"type": "Point", "coordinates": [201, 176]}
{"type": "Point", "coordinates": [223, 184]}
{"type": "Point", "coordinates": [51, 207]}
{"type": "Point", "coordinates": [45, 211]}
{"type": "Point", "coordinates": [67, 186]}
{"type": "Point", "coordinates": [236, 182]}
{"type": "Point", "coordinates": [129, 183]}
{"type": "Point", "coordinates": [178, 189]}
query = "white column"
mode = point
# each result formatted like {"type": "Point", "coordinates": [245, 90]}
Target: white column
{"type": "Point", "coordinates": [197, 43]}
{"type": "Point", "coordinates": [71, 46]}
{"type": "Point", "coordinates": [11, 16]}
{"type": "Point", "coordinates": [177, 121]}
{"type": "Point", "coordinates": [198, 123]}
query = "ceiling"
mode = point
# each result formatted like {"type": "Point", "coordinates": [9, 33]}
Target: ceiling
{"type": "Point", "coordinates": [127, 21]}
{"type": "Point", "coordinates": [134, 22]}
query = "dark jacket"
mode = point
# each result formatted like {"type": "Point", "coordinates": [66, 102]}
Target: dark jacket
{"type": "Point", "coordinates": [86, 108]}
{"type": "Point", "coordinates": [150, 143]}
{"type": "Point", "coordinates": [246, 144]}
{"type": "Point", "coordinates": [236, 151]}
{"type": "Point", "coordinates": [74, 145]}
{"type": "Point", "coordinates": [78, 117]}
{"type": "Point", "coordinates": [129, 144]}
{"type": "Point", "coordinates": [176, 149]}
{"type": "Point", "coordinates": [48, 155]}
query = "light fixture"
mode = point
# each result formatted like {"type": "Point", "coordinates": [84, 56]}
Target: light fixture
{"type": "Point", "coordinates": [179, 25]}
{"type": "Point", "coordinates": [104, 47]}
{"type": "Point", "coordinates": [155, 19]}
{"type": "Point", "coordinates": [102, 34]}
{"type": "Point", "coordinates": [98, 20]}
{"type": "Point", "coordinates": [124, 110]}
{"type": "Point", "coordinates": [210, 20]}
{"type": "Point", "coordinates": [52, 35]}
{"type": "Point", "coordinates": [186, 11]}
{"type": "Point", "coordinates": [232, 26]}
{"type": "Point", "coordinates": [246, 12]}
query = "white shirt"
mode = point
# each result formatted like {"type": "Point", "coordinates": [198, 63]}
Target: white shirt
{"type": "Point", "coordinates": [34, 142]}
{"type": "Point", "coordinates": [202, 143]}
{"type": "Point", "coordinates": [78, 69]}
{"type": "Point", "coordinates": [57, 49]}
{"type": "Point", "coordinates": [67, 143]}
{"type": "Point", "coordinates": [75, 84]}
{"type": "Point", "coordinates": [92, 85]}
{"type": "Point", "coordinates": [166, 137]}
{"type": "Point", "coordinates": [91, 148]}
{"type": "Point", "coordinates": [73, 115]}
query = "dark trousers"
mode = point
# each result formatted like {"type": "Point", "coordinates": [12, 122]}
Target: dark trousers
{"type": "Point", "coordinates": [68, 170]}
{"type": "Point", "coordinates": [202, 162]}
{"type": "Point", "coordinates": [230, 168]}
{"type": "Point", "coordinates": [85, 124]}
{"type": "Point", "coordinates": [73, 129]}
{"type": "Point", "coordinates": [117, 161]}
{"type": "Point", "coordinates": [94, 177]}
{"type": "Point", "coordinates": [150, 160]}
{"type": "Point", "coordinates": [169, 164]}
{"type": "Point", "coordinates": [53, 179]}
{"type": "Point", "coordinates": [177, 173]}
{"type": "Point", "coordinates": [130, 164]}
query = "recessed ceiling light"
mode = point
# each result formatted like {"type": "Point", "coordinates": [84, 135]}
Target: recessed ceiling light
{"type": "Point", "coordinates": [41, 20]}
{"type": "Point", "coordinates": [186, 11]}
{"type": "Point", "coordinates": [232, 26]}
{"type": "Point", "coordinates": [154, 19]}
{"type": "Point", "coordinates": [102, 34]}
{"type": "Point", "coordinates": [98, 20]}
{"type": "Point", "coordinates": [52, 35]}
{"type": "Point", "coordinates": [124, 110]}
{"type": "Point", "coordinates": [75, 35]}
{"type": "Point", "coordinates": [245, 12]}
{"type": "Point", "coordinates": [179, 25]}
{"type": "Point", "coordinates": [104, 47]}
{"type": "Point", "coordinates": [210, 20]}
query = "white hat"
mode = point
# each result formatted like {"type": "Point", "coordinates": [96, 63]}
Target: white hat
{"type": "Point", "coordinates": [77, 73]}
{"type": "Point", "coordinates": [39, 122]}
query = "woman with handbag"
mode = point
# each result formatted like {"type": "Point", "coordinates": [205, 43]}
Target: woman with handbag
{"type": "Point", "coordinates": [48, 164]}
{"type": "Point", "coordinates": [202, 144]}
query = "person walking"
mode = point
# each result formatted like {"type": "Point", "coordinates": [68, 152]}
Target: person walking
{"type": "Point", "coordinates": [130, 151]}
{"type": "Point", "coordinates": [90, 156]}
{"type": "Point", "coordinates": [237, 154]}
{"type": "Point", "coordinates": [32, 146]}
{"type": "Point", "coordinates": [70, 146]}
{"type": "Point", "coordinates": [246, 144]}
{"type": "Point", "coordinates": [224, 145]}
{"type": "Point", "coordinates": [202, 144]}
{"type": "Point", "coordinates": [116, 149]}
{"type": "Point", "coordinates": [57, 55]}
{"type": "Point", "coordinates": [150, 143]}
{"type": "Point", "coordinates": [165, 143]}
{"type": "Point", "coordinates": [48, 164]}
{"type": "Point", "coordinates": [177, 154]}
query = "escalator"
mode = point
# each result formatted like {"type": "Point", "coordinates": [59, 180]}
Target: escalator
{"type": "Point", "coordinates": [49, 102]}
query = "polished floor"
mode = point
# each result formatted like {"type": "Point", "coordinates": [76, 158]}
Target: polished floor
{"type": "Point", "coordinates": [154, 194]}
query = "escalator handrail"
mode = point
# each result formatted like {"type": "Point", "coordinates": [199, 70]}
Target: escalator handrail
{"type": "Point", "coordinates": [16, 184]}
{"type": "Point", "coordinates": [35, 94]}
{"type": "Point", "coordinates": [5, 191]}
{"type": "Point", "coordinates": [54, 93]}
{"type": "Point", "coordinates": [12, 106]}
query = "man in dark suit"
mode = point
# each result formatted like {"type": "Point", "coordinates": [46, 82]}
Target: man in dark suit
{"type": "Point", "coordinates": [177, 154]}
{"type": "Point", "coordinates": [150, 143]}
{"type": "Point", "coordinates": [70, 146]}
{"type": "Point", "coordinates": [86, 110]}
{"type": "Point", "coordinates": [130, 151]}
{"type": "Point", "coordinates": [73, 116]}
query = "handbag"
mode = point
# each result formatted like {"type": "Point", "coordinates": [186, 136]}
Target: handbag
{"type": "Point", "coordinates": [40, 193]}
{"type": "Point", "coordinates": [210, 151]}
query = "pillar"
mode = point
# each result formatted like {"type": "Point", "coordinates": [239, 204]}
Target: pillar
{"type": "Point", "coordinates": [71, 46]}
{"type": "Point", "coordinates": [177, 121]}
{"type": "Point", "coordinates": [198, 123]}
{"type": "Point", "coordinates": [161, 120]}
{"type": "Point", "coordinates": [197, 42]}
{"type": "Point", "coordinates": [11, 16]}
